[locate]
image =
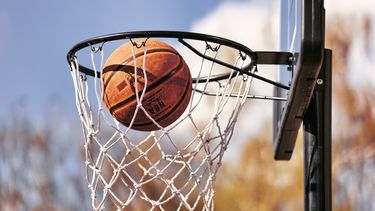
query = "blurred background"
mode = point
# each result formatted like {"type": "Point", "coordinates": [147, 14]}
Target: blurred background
{"type": "Point", "coordinates": [41, 143]}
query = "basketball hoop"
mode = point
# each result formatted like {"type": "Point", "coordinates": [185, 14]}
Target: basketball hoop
{"type": "Point", "coordinates": [174, 167]}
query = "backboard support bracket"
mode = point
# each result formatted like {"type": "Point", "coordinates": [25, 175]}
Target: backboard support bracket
{"type": "Point", "coordinates": [274, 58]}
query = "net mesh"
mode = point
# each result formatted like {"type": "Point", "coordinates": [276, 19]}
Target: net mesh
{"type": "Point", "coordinates": [173, 168]}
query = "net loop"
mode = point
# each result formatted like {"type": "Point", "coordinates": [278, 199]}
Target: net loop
{"type": "Point", "coordinates": [97, 49]}
{"type": "Point", "coordinates": [139, 45]}
{"type": "Point", "coordinates": [242, 55]}
{"type": "Point", "coordinates": [83, 77]}
{"type": "Point", "coordinates": [214, 49]}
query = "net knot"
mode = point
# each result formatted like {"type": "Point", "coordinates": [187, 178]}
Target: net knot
{"type": "Point", "coordinates": [104, 149]}
{"type": "Point", "coordinates": [155, 204]}
{"type": "Point", "coordinates": [116, 171]}
{"type": "Point", "coordinates": [96, 170]}
{"type": "Point", "coordinates": [159, 174]}
{"type": "Point", "coordinates": [90, 135]}
{"type": "Point", "coordinates": [176, 192]}
{"type": "Point", "coordinates": [137, 186]}
{"type": "Point", "coordinates": [107, 187]}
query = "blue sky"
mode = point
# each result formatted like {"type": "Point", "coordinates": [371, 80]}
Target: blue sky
{"type": "Point", "coordinates": [36, 35]}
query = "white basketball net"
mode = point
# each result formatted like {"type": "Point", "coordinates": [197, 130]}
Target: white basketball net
{"type": "Point", "coordinates": [173, 168]}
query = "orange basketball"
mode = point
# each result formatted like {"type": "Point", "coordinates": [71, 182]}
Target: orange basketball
{"type": "Point", "coordinates": [168, 88]}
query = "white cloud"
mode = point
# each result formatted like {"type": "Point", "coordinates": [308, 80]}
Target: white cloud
{"type": "Point", "coordinates": [362, 63]}
{"type": "Point", "coordinates": [361, 58]}
{"type": "Point", "coordinates": [254, 24]}
{"type": "Point", "coordinates": [347, 7]}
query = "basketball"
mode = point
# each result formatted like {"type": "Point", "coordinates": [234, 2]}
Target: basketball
{"type": "Point", "coordinates": [165, 80]}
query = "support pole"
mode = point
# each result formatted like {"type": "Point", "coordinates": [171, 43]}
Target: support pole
{"type": "Point", "coordinates": [317, 142]}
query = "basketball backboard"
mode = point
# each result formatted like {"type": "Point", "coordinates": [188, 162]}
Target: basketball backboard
{"type": "Point", "coordinates": [302, 33]}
